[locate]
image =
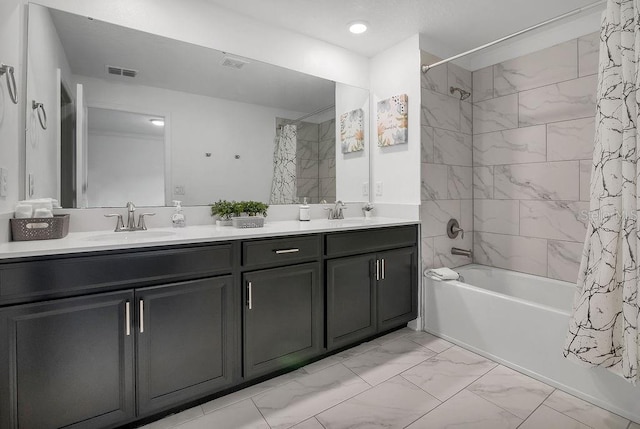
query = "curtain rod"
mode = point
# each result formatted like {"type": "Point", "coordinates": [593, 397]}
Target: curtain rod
{"type": "Point", "coordinates": [425, 68]}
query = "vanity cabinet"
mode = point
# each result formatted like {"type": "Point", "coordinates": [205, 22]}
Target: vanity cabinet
{"type": "Point", "coordinates": [68, 363]}
{"type": "Point", "coordinates": [371, 291]}
{"type": "Point", "coordinates": [283, 306]}
{"type": "Point", "coordinates": [185, 341]}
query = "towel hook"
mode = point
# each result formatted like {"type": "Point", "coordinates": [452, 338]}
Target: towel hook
{"type": "Point", "coordinates": [11, 81]}
{"type": "Point", "coordinates": [42, 114]}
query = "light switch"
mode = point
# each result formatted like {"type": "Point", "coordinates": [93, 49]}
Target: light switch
{"type": "Point", "coordinates": [179, 190]}
{"type": "Point", "coordinates": [3, 182]}
{"type": "Point", "coordinates": [378, 189]}
{"type": "Point", "coordinates": [365, 189]}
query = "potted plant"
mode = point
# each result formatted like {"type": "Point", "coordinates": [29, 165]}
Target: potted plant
{"type": "Point", "coordinates": [253, 213]}
{"type": "Point", "coordinates": [254, 208]}
{"type": "Point", "coordinates": [225, 210]}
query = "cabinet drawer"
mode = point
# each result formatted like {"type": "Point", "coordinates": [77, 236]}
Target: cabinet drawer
{"type": "Point", "coordinates": [372, 240]}
{"type": "Point", "coordinates": [24, 281]}
{"type": "Point", "coordinates": [280, 251]}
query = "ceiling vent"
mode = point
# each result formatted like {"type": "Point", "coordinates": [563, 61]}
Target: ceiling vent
{"type": "Point", "coordinates": [234, 63]}
{"type": "Point", "coordinates": [119, 71]}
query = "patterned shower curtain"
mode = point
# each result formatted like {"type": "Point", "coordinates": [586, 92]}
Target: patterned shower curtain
{"type": "Point", "coordinates": [603, 328]}
{"type": "Point", "coordinates": [283, 186]}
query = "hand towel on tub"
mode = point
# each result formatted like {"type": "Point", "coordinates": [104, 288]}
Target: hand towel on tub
{"type": "Point", "coordinates": [444, 273]}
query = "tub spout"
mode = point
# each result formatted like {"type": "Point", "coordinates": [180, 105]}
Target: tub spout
{"type": "Point", "coordinates": [461, 252]}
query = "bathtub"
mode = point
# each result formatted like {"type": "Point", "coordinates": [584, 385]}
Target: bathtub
{"type": "Point", "coordinates": [521, 321]}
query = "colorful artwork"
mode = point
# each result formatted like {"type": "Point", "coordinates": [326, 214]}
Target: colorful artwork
{"type": "Point", "coordinates": [352, 131]}
{"type": "Point", "coordinates": [393, 121]}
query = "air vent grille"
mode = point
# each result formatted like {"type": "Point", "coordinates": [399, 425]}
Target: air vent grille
{"type": "Point", "coordinates": [120, 71]}
{"type": "Point", "coordinates": [234, 63]}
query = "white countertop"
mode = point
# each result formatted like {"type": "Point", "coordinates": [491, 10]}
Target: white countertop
{"type": "Point", "coordinates": [79, 242]}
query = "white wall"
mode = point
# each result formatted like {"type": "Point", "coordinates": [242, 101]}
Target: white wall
{"type": "Point", "coordinates": [45, 57]}
{"type": "Point", "coordinates": [352, 169]}
{"type": "Point", "coordinates": [125, 168]}
{"type": "Point", "coordinates": [11, 115]}
{"type": "Point", "coordinates": [197, 125]}
{"type": "Point", "coordinates": [205, 24]}
{"type": "Point", "coordinates": [393, 72]}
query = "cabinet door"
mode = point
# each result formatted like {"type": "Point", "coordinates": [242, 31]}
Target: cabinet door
{"type": "Point", "coordinates": [397, 288]}
{"type": "Point", "coordinates": [283, 316]}
{"type": "Point", "coordinates": [351, 300]}
{"type": "Point", "coordinates": [185, 341]}
{"type": "Point", "coordinates": [67, 363]}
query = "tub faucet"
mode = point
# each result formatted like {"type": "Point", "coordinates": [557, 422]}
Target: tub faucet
{"type": "Point", "coordinates": [461, 252]}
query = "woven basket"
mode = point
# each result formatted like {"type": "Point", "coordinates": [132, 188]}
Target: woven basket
{"type": "Point", "coordinates": [248, 222]}
{"type": "Point", "coordinates": [40, 228]}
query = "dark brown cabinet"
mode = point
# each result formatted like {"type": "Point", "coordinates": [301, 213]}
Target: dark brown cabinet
{"type": "Point", "coordinates": [67, 363]}
{"type": "Point", "coordinates": [374, 290]}
{"type": "Point", "coordinates": [184, 341]}
{"type": "Point", "coordinates": [283, 315]}
{"type": "Point", "coordinates": [109, 338]}
{"type": "Point", "coordinates": [351, 300]}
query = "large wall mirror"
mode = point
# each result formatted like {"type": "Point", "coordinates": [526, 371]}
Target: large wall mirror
{"type": "Point", "coordinates": [120, 115]}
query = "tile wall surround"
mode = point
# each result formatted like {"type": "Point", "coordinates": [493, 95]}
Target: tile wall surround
{"type": "Point", "coordinates": [316, 161]}
{"type": "Point", "coordinates": [447, 168]}
{"type": "Point", "coordinates": [533, 131]}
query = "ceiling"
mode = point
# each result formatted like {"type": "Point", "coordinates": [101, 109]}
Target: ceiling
{"type": "Point", "coordinates": [458, 25]}
{"type": "Point", "coordinates": [91, 45]}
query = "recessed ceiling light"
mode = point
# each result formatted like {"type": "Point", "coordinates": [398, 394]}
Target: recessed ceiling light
{"type": "Point", "coordinates": [358, 27]}
{"type": "Point", "coordinates": [157, 122]}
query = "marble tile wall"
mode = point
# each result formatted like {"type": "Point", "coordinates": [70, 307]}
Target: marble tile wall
{"type": "Point", "coordinates": [327, 161]}
{"type": "Point", "coordinates": [447, 165]}
{"type": "Point", "coordinates": [533, 131]}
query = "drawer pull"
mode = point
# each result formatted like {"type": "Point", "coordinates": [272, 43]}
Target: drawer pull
{"type": "Point", "coordinates": [141, 316]}
{"type": "Point", "coordinates": [284, 251]}
{"type": "Point", "coordinates": [249, 298]}
{"type": "Point", "coordinates": [127, 317]}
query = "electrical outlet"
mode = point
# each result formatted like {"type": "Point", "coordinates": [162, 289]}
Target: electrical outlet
{"type": "Point", "coordinates": [179, 190]}
{"type": "Point", "coordinates": [365, 189]}
{"type": "Point", "coordinates": [378, 189]}
{"type": "Point", "coordinates": [3, 182]}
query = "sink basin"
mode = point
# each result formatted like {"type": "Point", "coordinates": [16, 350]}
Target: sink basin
{"type": "Point", "coordinates": [347, 221]}
{"type": "Point", "coordinates": [130, 236]}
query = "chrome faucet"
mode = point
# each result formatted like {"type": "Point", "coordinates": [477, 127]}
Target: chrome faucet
{"type": "Point", "coordinates": [461, 252]}
{"type": "Point", "coordinates": [131, 219]}
{"type": "Point", "coordinates": [336, 211]}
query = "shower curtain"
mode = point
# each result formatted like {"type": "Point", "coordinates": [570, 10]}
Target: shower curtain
{"type": "Point", "coordinates": [283, 186]}
{"type": "Point", "coordinates": [603, 328]}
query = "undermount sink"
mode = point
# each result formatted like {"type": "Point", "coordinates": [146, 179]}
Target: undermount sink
{"type": "Point", "coordinates": [130, 236]}
{"type": "Point", "coordinates": [347, 221]}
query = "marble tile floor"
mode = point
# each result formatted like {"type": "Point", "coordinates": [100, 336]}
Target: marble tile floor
{"type": "Point", "coordinates": [405, 379]}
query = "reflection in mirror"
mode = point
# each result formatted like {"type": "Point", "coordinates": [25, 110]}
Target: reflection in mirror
{"type": "Point", "coordinates": [223, 119]}
{"type": "Point", "coordinates": [125, 154]}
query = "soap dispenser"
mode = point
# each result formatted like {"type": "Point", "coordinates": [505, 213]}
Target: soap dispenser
{"type": "Point", "coordinates": [305, 211]}
{"type": "Point", "coordinates": [178, 219]}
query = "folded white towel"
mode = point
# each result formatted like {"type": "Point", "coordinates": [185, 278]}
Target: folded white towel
{"type": "Point", "coordinates": [23, 211]}
{"type": "Point", "coordinates": [43, 212]}
{"type": "Point", "coordinates": [444, 273]}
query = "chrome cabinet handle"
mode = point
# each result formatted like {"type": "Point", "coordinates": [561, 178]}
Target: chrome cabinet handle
{"type": "Point", "coordinates": [377, 269]}
{"type": "Point", "coordinates": [283, 251]}
{"type": "Point", "coordinates": [383, 270]}
{"type": "Point", "coordinates": [141, 316]}
{"type": "Point", "coordinates": [11, 82]}
{"type": "Point", "coordinates": [127, 317]}
{"type": "Point", "coordinates": [42, 114]}
{"type": "Point", "coordinates": [249, 297]}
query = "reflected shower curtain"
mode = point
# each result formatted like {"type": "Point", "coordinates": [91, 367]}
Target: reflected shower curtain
{"type": "Point", "coordinates": [283, 186]}
{"type": "Point", "coordinates": [603, 328]}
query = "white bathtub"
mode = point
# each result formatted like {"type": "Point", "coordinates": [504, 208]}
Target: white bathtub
{"type": "Point", "coordinates": [521, 321]}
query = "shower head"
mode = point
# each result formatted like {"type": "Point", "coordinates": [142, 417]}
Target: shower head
{"type": "Point", "coordinates": [463, 94]}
